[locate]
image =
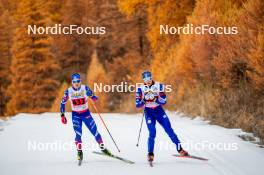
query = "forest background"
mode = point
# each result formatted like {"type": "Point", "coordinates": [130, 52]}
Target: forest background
{"type": "Point", "coordinates": [218, 77]}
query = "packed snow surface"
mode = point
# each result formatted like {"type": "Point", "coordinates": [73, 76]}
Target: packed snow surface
{"type": "Point", "coordinates": [41, 144]}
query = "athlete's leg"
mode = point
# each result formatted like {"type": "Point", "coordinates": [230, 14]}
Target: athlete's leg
{"type": "Point", "coordinates": [165, 123]}
{"type": "Point", "coordinates": [77, 126]}
{"type": "Point", "coordinates": [91, 125]}
{"type": "Point", "coordinates": [151, 122]}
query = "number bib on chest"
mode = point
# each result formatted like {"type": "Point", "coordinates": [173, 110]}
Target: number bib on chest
{"type": "Point", "coordinates": [78, 99]}
{"type": "Point", "coordinates": [150, 94]}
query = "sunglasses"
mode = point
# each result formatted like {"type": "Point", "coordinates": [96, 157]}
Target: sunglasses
{"type": "Point", "coordinates": [76, 81]}
{"type": "Point", "coordinates": [147, 79]}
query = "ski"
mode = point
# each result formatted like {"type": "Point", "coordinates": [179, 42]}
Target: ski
{"type": "Point", "coordinates": [115, 157]}
{"type": "Point", "coordinates": [191, 157]}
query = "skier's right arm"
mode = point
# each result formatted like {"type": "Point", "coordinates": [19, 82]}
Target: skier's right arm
{"type": "Point", "coordinates": [140, 102]}
{"type": "Point", "coordinates": [62, 107]}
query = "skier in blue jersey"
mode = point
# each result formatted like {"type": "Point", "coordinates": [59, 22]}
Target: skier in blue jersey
{"type": "Point", "coordinates": [78, 95]}
{"type": "Point", "coordinates": [152, 97]}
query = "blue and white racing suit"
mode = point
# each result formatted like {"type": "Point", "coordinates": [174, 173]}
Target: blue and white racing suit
{"type": "Point", "coordinates": [80, 112]}
{"type": "Point", "coordinates": [153, 97]}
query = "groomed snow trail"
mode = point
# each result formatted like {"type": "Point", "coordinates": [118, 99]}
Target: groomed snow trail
{"type": "Point", "coordinates": [33, 144]}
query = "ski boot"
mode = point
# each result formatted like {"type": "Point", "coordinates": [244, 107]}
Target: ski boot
{"type": "Point", "coordinates": [182, 152]}
{"type": "Point", "coordinates": [80, 155]}
{"type": "Point", "coordinates": [150, 157]}
{"type": "Point", "coordinates": [104, 150]}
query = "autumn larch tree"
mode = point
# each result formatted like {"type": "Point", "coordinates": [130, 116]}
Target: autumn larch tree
{"type": "Point", "coordinates": [5, 56]}
{"type": "Point", "coordinates": [34, 69]}
{"type": "Point", "coordinates": [74, 51]}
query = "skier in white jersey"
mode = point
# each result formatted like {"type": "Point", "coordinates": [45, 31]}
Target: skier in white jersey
{"type": "Point", "coordinates": [78, 95]}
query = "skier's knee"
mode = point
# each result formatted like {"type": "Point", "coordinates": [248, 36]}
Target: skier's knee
{"type": "Point", "coordinates": [94, 131]}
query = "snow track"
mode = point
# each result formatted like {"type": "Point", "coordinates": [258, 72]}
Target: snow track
{"type": "Point", "coordinates": [17, 155]}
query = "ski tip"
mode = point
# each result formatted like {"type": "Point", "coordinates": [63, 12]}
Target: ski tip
{"type": "Point", "coordinates": [115, 157]}
{"type": "Point", "coordinates": [191, 156]}
{"type": "Point", "coordinates": [131, 162]}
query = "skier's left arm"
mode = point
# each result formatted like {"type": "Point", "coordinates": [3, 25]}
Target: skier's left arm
{"type": "Point", "coordinates": [162, 99]}
{"type": "Point", "coordinates": [90, 94]}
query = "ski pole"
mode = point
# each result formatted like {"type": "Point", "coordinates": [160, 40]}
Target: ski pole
{"type": "Point", "coordinates": [140, 128]}
{"type": "Point", "coordinates": [95, 108]}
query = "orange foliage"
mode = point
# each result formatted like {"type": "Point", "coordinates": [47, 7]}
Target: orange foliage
{"type": "Point", "coordinates": [33, 66]}
{"type": "Point", "coordinates": [96, 74]}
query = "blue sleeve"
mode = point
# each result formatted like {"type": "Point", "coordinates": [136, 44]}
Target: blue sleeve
{"type": "Point", "coordinates": [64, 100]}
{"type": "Point", "coordinates": [139, 98]}
{"type": "Point", "coordinates": [162, 99]}
{"type": "Point", "coordinates": [90, 93]}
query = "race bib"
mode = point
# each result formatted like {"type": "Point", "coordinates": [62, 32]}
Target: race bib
{"type": "Point", "coordinates": [78, 101]}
